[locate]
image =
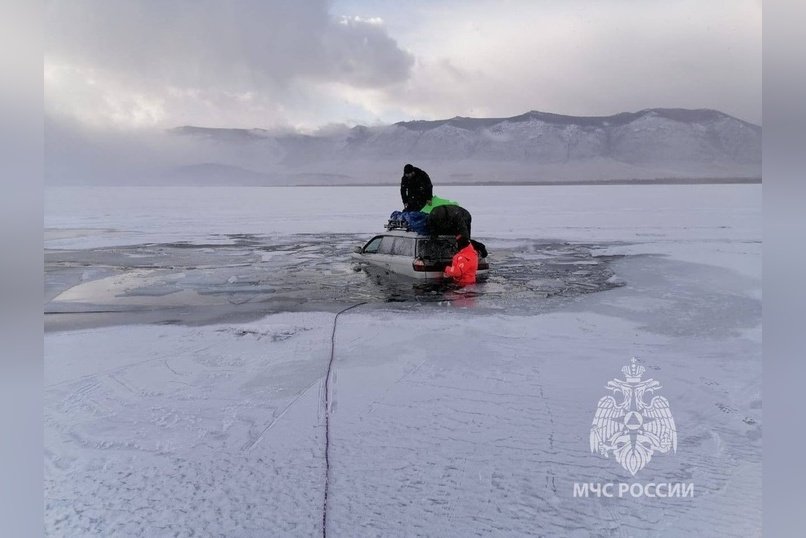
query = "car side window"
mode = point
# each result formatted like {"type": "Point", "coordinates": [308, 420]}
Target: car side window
{"type": "Point", "coordinates": [372, 246]}
{"type": "Point", "coordinates": [387, 245]}
{"type": "Point", "coordinates": [404, 246]}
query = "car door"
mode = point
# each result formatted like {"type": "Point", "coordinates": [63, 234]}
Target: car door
{"type": "Point", "coordinates": [370, 253]}
{"type": "Point", "coordinates": [403, 256]}
{"type": "Point", "coordinates": [385, 255]}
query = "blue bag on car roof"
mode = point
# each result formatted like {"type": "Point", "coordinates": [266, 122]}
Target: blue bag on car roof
{"type": "Point", "coordinates": [416, 221]}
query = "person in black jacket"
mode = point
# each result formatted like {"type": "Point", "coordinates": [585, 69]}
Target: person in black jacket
{"type": "Point", "coordinates": [415, 188]}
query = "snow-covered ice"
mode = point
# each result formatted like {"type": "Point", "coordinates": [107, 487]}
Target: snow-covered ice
{"type": "Point", "coordinates": [183, 410]}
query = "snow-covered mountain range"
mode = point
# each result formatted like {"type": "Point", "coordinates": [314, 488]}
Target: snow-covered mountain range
{"type": "Point", "coordinates": [536, 146]}
{"type": "Point", "coordinates": [668, 144]}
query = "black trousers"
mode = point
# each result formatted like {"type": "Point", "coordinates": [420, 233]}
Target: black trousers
{"type": "Point", "coordinates": [450, 220]}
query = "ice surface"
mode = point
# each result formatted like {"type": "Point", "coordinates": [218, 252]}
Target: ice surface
{"type": "Point", "coordinates": [464, 415]}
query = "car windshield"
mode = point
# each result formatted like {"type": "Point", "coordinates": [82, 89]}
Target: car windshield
{"type": "Point", "coordinates": [372, 246]}
{"type": "Point", "coordinates": [436, 249]}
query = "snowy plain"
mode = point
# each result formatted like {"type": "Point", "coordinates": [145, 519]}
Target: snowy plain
{"type": "Point", "coordinates": [460, 415]}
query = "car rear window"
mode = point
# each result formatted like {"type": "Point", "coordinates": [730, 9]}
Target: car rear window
{"type": "Point", "coordinates": [436, 249]}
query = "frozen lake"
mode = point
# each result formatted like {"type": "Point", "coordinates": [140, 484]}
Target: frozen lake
{"type": "Point", "coordinates": [189, 333]}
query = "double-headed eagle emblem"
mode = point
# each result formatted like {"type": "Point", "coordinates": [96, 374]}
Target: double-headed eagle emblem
{"type": "Point", "coordinates": [628, 427]}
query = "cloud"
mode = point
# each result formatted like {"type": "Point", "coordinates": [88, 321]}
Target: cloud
{"type": "Point", "coordinates": [359, 52]}
{"type": "Point", "coordinates": [581, 57]}
{"type": "Point", "coordinates": [159, 62]}
{"type": "Point", "coordinates": [307, 64]}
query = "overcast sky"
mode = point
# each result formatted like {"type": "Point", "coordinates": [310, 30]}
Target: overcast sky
{"type": "Point", "coordinates": [310, 63]}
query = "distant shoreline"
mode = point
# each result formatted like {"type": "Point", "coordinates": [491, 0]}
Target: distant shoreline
{"type": "Point", "coordinates": [661, 181]}
{"type": "Point", "coordinates": [536, 183]}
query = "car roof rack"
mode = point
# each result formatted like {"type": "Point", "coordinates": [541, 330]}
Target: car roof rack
{"type": "Point", "coordinates": [394, 224]}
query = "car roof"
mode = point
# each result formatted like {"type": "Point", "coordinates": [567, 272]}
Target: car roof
{"type": "Point", "coordinates": [414, 235]}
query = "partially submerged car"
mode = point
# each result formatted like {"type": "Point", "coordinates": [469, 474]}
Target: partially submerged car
{"type": "Point", "coordinates": [408, 253]}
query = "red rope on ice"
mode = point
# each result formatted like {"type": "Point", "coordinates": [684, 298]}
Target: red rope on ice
{"type": "Point", "coordinates": [327, 414]}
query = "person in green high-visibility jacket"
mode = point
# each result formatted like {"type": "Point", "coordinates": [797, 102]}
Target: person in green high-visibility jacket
{"type": "Point", "coordinates": [446, 217]}
{"type": "Point", "coordinates": [449, 220]}
{"type": "Point", "coordinates": [436, 201]}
